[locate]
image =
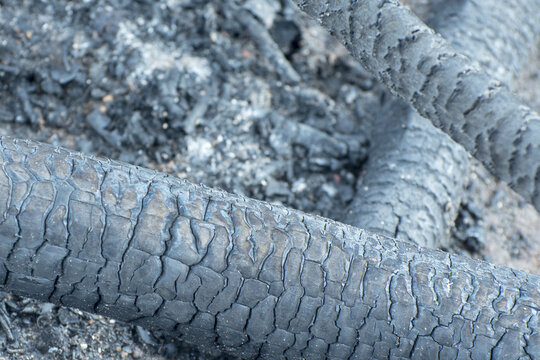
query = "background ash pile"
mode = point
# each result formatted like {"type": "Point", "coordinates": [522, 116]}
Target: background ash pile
{"type": "Point", "coordinates": [202, 89]}
{"type": "Point", "coordinates": [247, 96]}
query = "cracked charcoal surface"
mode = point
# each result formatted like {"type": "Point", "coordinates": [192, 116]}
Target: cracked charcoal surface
{"type": "Point", "coordinates": [179, 86]}
{"type": "Point", "coordinates": [442, 84]}
{"type": "Point", "coordinates": [163, 253]}
{"type": "Point", "coordinates": [420, 202]}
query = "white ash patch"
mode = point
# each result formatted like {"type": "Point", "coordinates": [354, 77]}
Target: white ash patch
{"type": "Point", "coordinates": [159, 56]}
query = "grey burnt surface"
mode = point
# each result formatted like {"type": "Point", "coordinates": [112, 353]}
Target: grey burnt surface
{"type": "Point", "coordinates": [251, 97]}
{"type": "Point", "coordinates": [442, 84]}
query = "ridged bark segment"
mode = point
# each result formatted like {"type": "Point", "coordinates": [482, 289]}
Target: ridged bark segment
{"type": "Point", "coordinates": [443, 85]}
{"type": "Point", "coordinates": [413, 181]}
{"type": "Point", "coordinates": [415, 174]}
{"type": "Point", "coordinates": [252, 279]}
{"type": "Point", "coordinates": [499, 35]}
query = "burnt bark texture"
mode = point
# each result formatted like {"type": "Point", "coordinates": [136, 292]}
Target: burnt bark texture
{"type": "Point", "coordinates": [413, 180]}
{"type": "Point", "coordinates": [442, 84]}
{"type": "Point", "coordinates": [252, 279]}
{"type": "Point", "coordinates": [499, 35]}
{"type": "Point", "coordinates": [415, 174]}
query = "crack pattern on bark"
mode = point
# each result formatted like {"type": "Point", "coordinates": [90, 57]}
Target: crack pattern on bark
{"type": "Point", "coordinates": [150, 249]}
{"type": "Point", "coordinates": [415, 174]}
{"type": "Point", "coordinates": [443, 85]}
